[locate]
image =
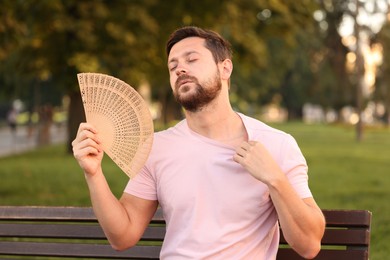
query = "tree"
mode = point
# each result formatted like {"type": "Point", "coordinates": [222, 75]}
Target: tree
{"type": "Point", "coordinates": [382, 91]}
{"type": "Point", "coordinates": [268, 37]}
{"type": "Point", "coordinates": [362, 29]}
{"type": "Point", "coordinates": [333, 81]}
{"type": "Point", "coordinates": [57, 39]}
{"type": "Point", "coordinates": [46, 43]}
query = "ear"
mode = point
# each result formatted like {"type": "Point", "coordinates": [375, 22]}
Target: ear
{"type": "Point", "coordinates": [226, 69]}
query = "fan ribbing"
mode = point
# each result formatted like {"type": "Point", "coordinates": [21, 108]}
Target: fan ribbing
{"type": "Point", "coordinates": [122, 118]}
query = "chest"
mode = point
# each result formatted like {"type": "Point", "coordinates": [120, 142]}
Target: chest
{"type": "Point", "coordinates": [200, 180]}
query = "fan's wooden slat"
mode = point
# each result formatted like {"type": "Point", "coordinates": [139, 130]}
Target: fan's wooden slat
{"type": "Point", "coordinates": [121, 117]}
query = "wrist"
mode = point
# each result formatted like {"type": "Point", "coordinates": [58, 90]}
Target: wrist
{"type": "Point", "coordinates": [277, 181]}
{"type": "Point", "coordinates": [89, 175]}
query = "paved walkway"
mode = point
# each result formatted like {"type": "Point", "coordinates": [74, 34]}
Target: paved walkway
{"type": "Point", "coordinates": [21, 141]}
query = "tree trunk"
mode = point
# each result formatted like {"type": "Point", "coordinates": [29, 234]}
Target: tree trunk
{"type": "Point", "coordinates": [76, 115]}
{"type": "Point", "coordinates": [359, 63]}
{"type": "Point", "coordinates": [45, 122]}
{"type": "Point", "coordinates": [170, 109]}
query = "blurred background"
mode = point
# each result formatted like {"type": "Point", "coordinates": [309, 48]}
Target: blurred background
{"type": "Point", "coordinates": [317, 61]}
{"type": "Point", "coordinates": [319, 69]}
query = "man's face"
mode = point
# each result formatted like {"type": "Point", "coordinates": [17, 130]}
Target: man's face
{"type": "Point", "coordinates": [194, 75]}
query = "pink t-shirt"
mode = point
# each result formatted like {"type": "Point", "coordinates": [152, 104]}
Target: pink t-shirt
{"type": "Point", "coordinates": [214, 209]}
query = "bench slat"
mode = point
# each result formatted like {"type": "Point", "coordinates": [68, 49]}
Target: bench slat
{"type": "Point", "coordinates": [348, 237]}
{"type": "Point", "coordinates": [334, 218]}
{"type": "Point", "coordinates": [74, 214]}
{"type": "Point", "coordinates": [51, 231]}
{"type": "Point", "coordinates": [77, 250]}
{"type": "Point", "coordinates": [69, 231]}
{"type": "Point", "coordinates": [351, 218]}
{"type": "Point", "coordinates": [330, 254]}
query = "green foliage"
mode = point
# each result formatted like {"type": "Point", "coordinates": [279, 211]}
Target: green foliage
{"type": "Point", "coordinates": [382, 90]}
{"type": "Point", "coordinates": [280, 50]}
{"type": "Point", "coordinates": [51, 41]}
{"type": "Point", "coordinates": [265, 37]}
{"type": "Point", "coordinates": [332, 86]}
{"type": "Point", "coordinates": [60, 38]}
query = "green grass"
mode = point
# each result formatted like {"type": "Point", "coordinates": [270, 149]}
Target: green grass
{"type": "Point", "coordinates": [347, 174]}
{"type": "Point", "coordinates": [49, 176]}
{"type": "Point", "coordinates": [343, 174]}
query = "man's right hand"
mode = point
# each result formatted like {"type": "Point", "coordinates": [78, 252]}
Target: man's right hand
{"type": "Point", "coordinates": [87, 149]}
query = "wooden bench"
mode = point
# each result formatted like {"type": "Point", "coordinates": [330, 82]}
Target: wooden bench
{"type": "Point", "coordinates": [74, 232]}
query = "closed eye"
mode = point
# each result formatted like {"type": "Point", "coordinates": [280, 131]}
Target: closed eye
{"type": "Point", "coordinates": [172, 68]}
{"type": "Point", "coordinates": [172, 65]}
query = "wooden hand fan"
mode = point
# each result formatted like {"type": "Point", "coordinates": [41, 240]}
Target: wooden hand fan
{"type": "Point", "coordinates": [121, 117]}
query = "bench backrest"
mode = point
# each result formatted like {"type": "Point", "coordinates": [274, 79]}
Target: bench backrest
{"type": "Point", "coordinates": [347, 236]}
{"type": "Point", "coordinates": [74, 232]}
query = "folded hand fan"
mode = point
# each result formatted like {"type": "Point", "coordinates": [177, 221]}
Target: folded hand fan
{"type": "Point", "coordinates": [121, 117]}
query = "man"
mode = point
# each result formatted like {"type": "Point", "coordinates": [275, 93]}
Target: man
{"type": "Point", "coordinates": [222, 179]}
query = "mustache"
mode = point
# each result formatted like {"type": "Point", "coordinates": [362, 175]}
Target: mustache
{"type": "Point", "coordinates": [183, 78]}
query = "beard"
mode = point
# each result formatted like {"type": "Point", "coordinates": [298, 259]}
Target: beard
{"type": "Point", "coordinates": [203, 93]}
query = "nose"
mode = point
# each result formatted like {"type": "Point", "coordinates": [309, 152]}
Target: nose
{"type": "Point", "coordinates": [180, 70]}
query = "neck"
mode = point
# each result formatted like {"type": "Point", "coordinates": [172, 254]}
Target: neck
{"type": "Point", "coordinates": [217, 121]}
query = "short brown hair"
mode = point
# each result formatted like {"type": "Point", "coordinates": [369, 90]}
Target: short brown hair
{"type": "Point", "coordinates": [219, 47]}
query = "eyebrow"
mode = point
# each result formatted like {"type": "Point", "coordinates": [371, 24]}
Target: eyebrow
{"type": "Point", "coordinates": [185, 54]}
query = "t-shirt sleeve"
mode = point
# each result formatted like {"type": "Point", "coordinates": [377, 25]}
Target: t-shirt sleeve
{"type": "Point", "coordinates": [295, 167]}
{"type": "Point", "coordinates": [143, 185]}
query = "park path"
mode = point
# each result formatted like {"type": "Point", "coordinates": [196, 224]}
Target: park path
{"type": "Point", "coordinates": [22, 141]}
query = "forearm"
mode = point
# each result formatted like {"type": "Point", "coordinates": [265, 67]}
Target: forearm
{"type": "Point", "coordinates": [111, 214]}
{"type": "Point", "coordinates": [302, 221]}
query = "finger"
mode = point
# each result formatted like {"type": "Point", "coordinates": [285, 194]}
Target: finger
{"type": "Point", "coordinates": [86, 151]}
{"type": "Point", "coordinates": [240, 151]}
{"type": "Point", "coordinates": [240, 158]}
{"type": "Point", "coordinates": [86, 147]}
{"type": "Point", "coordinates": [89, 142]}
{"type": "Point", "coordinates": [86, 134]}
{"type": "Point", "coordinates": [245, 146]}
{"type": "Point", "coordinates": [237, 158]}
{"type": "Point", "coordinates": [86, 139]}
{"type": "Point", "coordinates": [88, 127]}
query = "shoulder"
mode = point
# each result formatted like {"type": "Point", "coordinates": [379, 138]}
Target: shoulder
{"type": "Point", "coordinates": [172, 132]}
{"type": "Point", "coordinates": [172, 138]}
{"type": "Point", "coordinates": [276, 141]}
{"type": "Point", "coordinates": [255, 126]}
